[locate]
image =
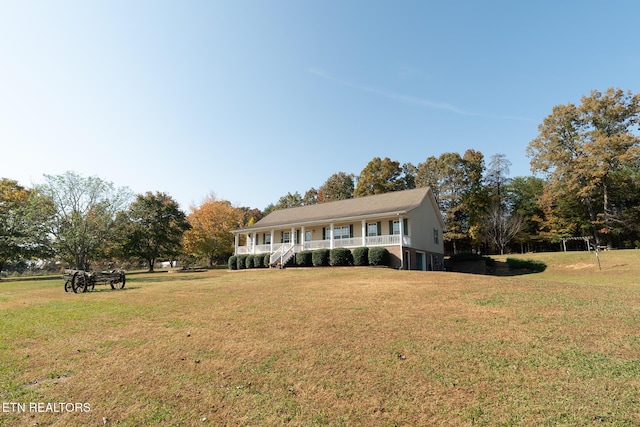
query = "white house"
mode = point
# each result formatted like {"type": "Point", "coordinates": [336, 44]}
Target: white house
{"type": "Point", "coordinates": [408, 223]}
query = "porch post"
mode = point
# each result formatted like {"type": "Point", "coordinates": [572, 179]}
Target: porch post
{"type": "Point", "coordinates": [401, 238]}
{"type": "Point", "coordinates": [236, 240]}
{"type": "Point", "coordinates": [293, 237]}
{"type": "Point", "coordinates": [302, 237]}
{"type": "Point", "coordinates": [364, 232]}
{"type": "Point", "coordinates": [331, 236]}
{"type": "Point", "coordinates": [253, 243]}
{"type": "Point", "coordinates": [272, 236]}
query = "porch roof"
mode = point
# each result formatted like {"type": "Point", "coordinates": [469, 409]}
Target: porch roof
{"type": "Point", "coordinates": [393, 203]}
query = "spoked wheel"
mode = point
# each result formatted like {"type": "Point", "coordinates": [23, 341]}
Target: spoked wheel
{"type": "Point", "coordinates": [80, 282]}
{"type": "Point", "coordinates": [67, 286]}
{"type": "Point", "coordinates": [119, 282]}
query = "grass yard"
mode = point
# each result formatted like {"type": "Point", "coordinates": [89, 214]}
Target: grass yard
{"type": "Point", "coordinates": [329, 346]}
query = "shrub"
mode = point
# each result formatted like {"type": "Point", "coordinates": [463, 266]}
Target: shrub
{"type": "Point", "coordinates": [320, 257]}
{"type": "Point", "coordinates": [304, 259]}
{"type": "Point", "coordinates": [361, 256]}
{"type": "Point", "coordinates": [242, 262]}
{"type": "Point", "coordinates": [468, 256]}
{"type": "Point", "coordinates": [266, 261]}
{"type": "Point", "coordinates": [233, 262]}
{"type": "Point", "coordinates": [249, 261]}
{"type": "Point", "coordinates": [526, 264]}
{"type": "Point", "coordinates": [257, 261]}
{"type": "Point", "coordinates": [340, 257]}
{"type": "Point", "coordinates": [379, 256]}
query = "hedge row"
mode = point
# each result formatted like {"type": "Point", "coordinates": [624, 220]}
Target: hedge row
{"type": "Point", "coordinates": [526, 264]}
{"type": "Point", "coordinates": [240, 262]}
{"type": "Point", "coordinates": [359, 257]}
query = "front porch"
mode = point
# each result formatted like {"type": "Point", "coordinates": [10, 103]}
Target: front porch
{"type": "Point", "coordinates": [354, 242]}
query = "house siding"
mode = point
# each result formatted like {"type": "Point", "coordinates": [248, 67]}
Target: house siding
{"type": "Point", "coordinates": [424, 218]}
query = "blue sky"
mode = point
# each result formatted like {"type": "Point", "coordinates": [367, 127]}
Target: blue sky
{"type": "Point", "coordinates": [250, 100]}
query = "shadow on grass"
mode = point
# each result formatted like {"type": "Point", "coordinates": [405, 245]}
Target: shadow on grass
{"type": "Point", "coordinates": [516, 267]}
{"type": "Point", "coordinates": [482, 264]}
{"type": "Point", "coordinates": [108, 289]}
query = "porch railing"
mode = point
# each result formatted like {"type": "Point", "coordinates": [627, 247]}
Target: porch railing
{"type": "Point", "coordinates": [354, 242]}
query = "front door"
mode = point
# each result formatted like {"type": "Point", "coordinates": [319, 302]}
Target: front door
{"type": "Point", "coordinates": [421, 259]}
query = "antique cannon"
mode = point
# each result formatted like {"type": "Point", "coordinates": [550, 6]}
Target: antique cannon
{"type": "Point", "coordinates": [81, 281]}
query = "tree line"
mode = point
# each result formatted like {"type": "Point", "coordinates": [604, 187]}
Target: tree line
{"type": "Point", "coordinates": [586, 182]}
{"type": "Point", "coordinates": [586, 157]}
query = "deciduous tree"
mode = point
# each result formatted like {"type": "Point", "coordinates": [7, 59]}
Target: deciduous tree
{"type": "Point", "coordinates": [338, 186]}
{"type": "Point", "coordinates": [210, 234]}
{"type": "Point", "coordinates": [380, 176]}
{"type": "Point", "coordinates": [24, 218]}
{"type": "Point", "coordinates": [152, 228]}
{"type": "Point", "coordinates": [84, 214]}
{"type": "Point", "coordinates": [591, 152]}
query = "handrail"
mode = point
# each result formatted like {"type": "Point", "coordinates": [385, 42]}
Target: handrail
{"type": "Point", "coordinates": [274, 256]}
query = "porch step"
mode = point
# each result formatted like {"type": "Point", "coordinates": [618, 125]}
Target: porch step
{"type": "Point", "coordinates": [282, 256]}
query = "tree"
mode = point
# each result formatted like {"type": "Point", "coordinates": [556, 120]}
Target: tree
{"type": "Point", "coordinates": [249, 215]}
{"type": "Point", "coordinates": [524, 197]}
{"type": "Point", "coordinates": [24, 215]}
{"type": "Point", "coordinates": [287, 201]}
{"type": "Point", "coordinates": [152, 228]}
{"type": "Point", "coordinates": [475, 194]}
{"type": "Point", "coordinates": [590, 152]}
{"type": "Point", "coordinates": [338, 186]}
{"type": "Point", "coordinates": [310, 197]}
{"type": "Point", "coordinates": [210, 234]}
{"type": "Point", "coordinates": [454, 181]}
{"type": "Point", "coordinates": [496, 178]}
{"type": "Point", "coordinates": [83, 217]}
{"type": "Point", "coordinates": [380, 176]}
{"type": "Point", "coordinates": [501, 224]}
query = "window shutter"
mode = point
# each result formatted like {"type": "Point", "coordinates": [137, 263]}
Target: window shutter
{"type": "Point", "coordinates": [282, 237]}
{"type": "Point", "coordinates": [379, 227]}
{"type": "Point", "coordinates": [390, 227]}
{"type": "Point", "coordinates": [405, 226]}
{"type": "Point", "coordinates": [351, 231]}
{"type": "Point", "coordinates": [324, 233]}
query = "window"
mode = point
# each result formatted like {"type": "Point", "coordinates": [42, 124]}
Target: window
{"type": "Point", "coordinates": [341, 232]}
{"type": "Point", "coordinates": [372, 229]}
{"type": "Point", "coordinates": [396, 227]}
{"type": "Point", "coordinates": [286, 237]}
{"type": "Point", "coordinates": [267, 239]}
{"type": "Point", "coordinates": [436, 236]}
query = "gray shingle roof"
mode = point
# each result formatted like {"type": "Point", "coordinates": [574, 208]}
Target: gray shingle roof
{"type": "Point", "coordinates": [359, 207]}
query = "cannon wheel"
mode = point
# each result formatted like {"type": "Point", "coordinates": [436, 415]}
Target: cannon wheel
{"type": "Point", "coordinates": [80, 281]}
{"type": "Point", "coordinates": [67, 285]}
{"type": "Point", "coordinates": [119, 282]}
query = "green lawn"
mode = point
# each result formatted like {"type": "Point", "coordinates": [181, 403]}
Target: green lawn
{"type": "Point", "coordinates": [329, 346]}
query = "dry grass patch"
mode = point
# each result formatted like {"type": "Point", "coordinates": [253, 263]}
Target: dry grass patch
{"type": "Point", "coordinates": [327, 346]}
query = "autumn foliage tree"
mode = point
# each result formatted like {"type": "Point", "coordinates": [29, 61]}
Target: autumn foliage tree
{"type": "Point", "coordinates": [210, 234]}
{"type": "Point", "coordinates": [591, 152]}
{"type": "Point", "coordinates": [382, 176]}
{"type": "Point", "coordinates": [24, 216]}
{"type": "Point", "coordinates": [338, 186]}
